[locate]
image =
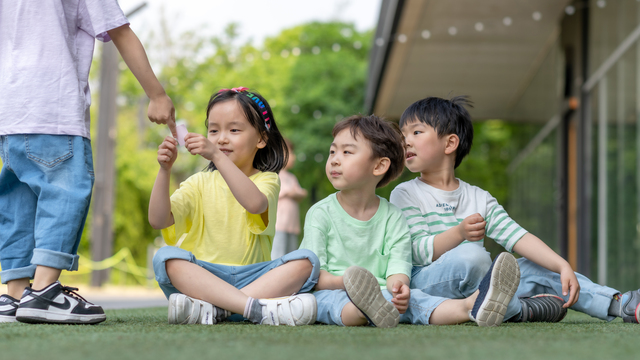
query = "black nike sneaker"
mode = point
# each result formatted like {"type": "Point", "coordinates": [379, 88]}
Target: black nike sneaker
{"type": "Point", "coordinates": [57, 304]}
{"type": "Point", "coordinates": [8, 307]}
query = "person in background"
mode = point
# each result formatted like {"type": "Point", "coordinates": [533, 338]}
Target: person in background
{"type": "Point", "coordinates": [288, 218]}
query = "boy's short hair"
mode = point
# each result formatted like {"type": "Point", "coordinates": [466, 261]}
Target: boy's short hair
{"type": "Point", "coordinates": [384, 138]}
{"type": "Point", "coordinates": [446, 117]}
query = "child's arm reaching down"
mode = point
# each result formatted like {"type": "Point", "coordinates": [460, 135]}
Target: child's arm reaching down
{"type": "Point", "coordinates": [534, 249]}
{"type": "Point", "coordinates": [160, 215]}
{"type": "Point", "coordinates": [161, 108]}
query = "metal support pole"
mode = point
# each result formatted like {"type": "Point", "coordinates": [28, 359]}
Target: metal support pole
{"type": "Point", "coordinates": [102, 227]}
{"type": "Point", "coordinates": [584, 157]}
{"type": "Point", "coordinates": [602, 181]}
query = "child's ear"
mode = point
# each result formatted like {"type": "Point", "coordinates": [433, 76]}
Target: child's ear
{"type": "Point", "coordinates": [381, 166]}
{"type": "Point", "coordinates": [452, 144]}
{"type": "Point", "coordinates": [262, 143]}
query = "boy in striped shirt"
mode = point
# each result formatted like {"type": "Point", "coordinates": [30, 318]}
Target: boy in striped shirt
{"type": "Point", "coordinates": [448, 220]}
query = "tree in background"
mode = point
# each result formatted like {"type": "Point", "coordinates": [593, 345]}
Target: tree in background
{"type": "Point", "coordinates": [313, 75]}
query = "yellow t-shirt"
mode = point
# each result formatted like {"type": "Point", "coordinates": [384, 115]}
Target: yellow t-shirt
{"type": "Point", "coordinates": [212, 224]}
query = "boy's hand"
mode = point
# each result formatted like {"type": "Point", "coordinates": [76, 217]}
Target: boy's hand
{"type": "Point", "coordinates": [197, 144]}
{"type": "Point", "coordinates": [161, 111]}
{"type": "Point", "coordinates": [472, 228]}
{"type": "Point", "coordinates": [401, 294]}
{"type": "Point", "coordinates": [570, 286]}
{"type": "Point", "coordinates": [167, 152]}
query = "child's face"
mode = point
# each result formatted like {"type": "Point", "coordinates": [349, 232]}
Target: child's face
{"type": "Point", "coordinates": [350, 164]}
{"type": "Point", "coordinates": [231, 133]}
{"type": "Point", "coordinates": [424, 151]}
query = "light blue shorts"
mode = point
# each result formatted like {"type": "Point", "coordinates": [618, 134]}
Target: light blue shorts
{"type": "Point", "coordinates": [237, 276]}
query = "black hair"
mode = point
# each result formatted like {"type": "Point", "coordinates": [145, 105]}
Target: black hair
{"type": "Point", "coordinates": [273, 157]}
{"type": "Point", "coordinates": [446, 117]}
{"type": "Point", "coordinates": [385, 140]}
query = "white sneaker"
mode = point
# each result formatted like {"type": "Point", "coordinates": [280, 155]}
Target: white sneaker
{"type": "Point", "coordinates": [300, 309]}
{"type": "Point", "coordinates": [187, 310]}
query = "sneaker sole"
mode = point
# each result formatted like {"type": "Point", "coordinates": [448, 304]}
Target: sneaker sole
{"type": "Point", "coordinates": [364, 292]}
{"type": "Point", "coordinates": [38, 316]}
{"type": "Point", "coordinates": [505, 278]}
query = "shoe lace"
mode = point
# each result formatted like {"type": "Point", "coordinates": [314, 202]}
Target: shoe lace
{"type": "Point", "coordinates": [71, 291]}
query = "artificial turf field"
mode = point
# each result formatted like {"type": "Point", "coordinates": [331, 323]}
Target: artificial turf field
{"type": "Point", "coordinates": [145, 334]}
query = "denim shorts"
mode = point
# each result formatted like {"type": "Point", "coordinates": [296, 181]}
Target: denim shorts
{"type": "Point", "coordinates": [45, 191]}
{"type": "Point", "coordinates": [237, 276]}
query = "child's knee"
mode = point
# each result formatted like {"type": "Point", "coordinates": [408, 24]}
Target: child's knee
{"type": "Point", "coordinates": [302, 267]}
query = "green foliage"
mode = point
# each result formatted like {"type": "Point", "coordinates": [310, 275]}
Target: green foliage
{"type": "Point", "coordinates": [312, 75]}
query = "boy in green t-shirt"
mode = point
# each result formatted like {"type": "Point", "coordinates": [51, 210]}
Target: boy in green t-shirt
{"type": "Point", "coordinates": [363, 242]}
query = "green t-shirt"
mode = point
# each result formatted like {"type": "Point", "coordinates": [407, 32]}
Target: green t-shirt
{"type": "Point", "coordinates": [381, 245]}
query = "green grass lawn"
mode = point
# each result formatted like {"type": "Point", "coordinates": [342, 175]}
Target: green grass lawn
{"type": "Point", "coordinates": [145, 334]}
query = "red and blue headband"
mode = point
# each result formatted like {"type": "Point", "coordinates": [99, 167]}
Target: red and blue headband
{"type": "Point", "coordinates": [262, 108]}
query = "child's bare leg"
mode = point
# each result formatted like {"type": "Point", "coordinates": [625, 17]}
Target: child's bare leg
{"type": "Point", "coordinates": [284, 280]}
{"type": "Point", "coordinates": [351, 316]}
{"type": "Point", "coordinates": [16, 287]}
{"type": "Point", "coordinates": [194, 281]}
{"type": "Point", "coordinates": [327, 281]}
{"type": "Point", "coordinates": [453, 311]}
{"type": "Point", "coordinates": [45, 276]}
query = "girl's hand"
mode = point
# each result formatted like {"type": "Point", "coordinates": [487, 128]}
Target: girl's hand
{"type": "Point", "coordinates": [197, 144]}
{"type": "Point", "coordinates": [167, 152]}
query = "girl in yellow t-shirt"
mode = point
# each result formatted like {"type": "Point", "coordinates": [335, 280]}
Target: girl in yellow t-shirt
{"type": "Point", "coordinates": [225, 219]}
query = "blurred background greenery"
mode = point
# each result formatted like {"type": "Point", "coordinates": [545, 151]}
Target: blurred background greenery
{"type": "Point", "coordinates": [312, 75]}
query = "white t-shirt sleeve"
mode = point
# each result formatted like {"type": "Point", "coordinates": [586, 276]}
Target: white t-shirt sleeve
{"type": "Point", "coordinates": [421, 237]}
{"type": "Point", "coordinates": [96, 17]}
{"type": "Point", "coordinates": [500, 227]}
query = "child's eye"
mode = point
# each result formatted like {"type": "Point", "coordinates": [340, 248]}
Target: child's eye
{"type": "Point", "coordinates": [331, 152]}
{"type": "Point", "coordinates": [235, 130]}
{"type": "Point", "coordinates": [416, 132]}
{"type": "Point", "coordinates": [213, 131]}
{"type": "Point", "coordinates": [347, 152]}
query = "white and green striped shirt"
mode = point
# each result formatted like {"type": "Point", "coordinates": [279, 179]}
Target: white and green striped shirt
{"type": "Point", "coordinates": [430, 211]}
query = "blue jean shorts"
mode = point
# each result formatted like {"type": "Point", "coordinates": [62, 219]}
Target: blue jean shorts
{"type": "Point", "coordinates": [237, 276]}
{"type": "Point", "coordinates": [45, 191]}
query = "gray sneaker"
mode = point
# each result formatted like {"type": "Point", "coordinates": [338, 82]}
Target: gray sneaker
{"type": "Point", "coordinates": [631, 306]}
{"type": "Point", "coordinates": [184, 309]}
{"type": "Point", "coordinates": [364, 292]}
{"type": "Point", "coordinates": [543, 308]}
{"type": "Point", "coordinates": [496, 290]}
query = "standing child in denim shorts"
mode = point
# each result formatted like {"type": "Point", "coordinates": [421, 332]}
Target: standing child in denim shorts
{"type": "Point", "coordinates": [221, 223]}
{"type": "Point", "coordinates": [46, 49]}
{"type": "Point", "coordinates": [449, 219]}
